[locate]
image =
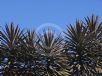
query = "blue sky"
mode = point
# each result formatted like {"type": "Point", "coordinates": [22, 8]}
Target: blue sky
{"type": "Point", "coordinates": [33, 13]}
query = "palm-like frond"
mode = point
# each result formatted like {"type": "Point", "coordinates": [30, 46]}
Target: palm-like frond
{"type": "Point", "coordinates": [10, 41]}
{"type": "Point", "coordinates": [10, 36]}
{"type": "Point", "coordinates": [50, 51]}
{"type": "Point", "coordinates": [30, 38]}
{"type": "Point", "coordinates": [77, 52]}
{"type": "Point", "coordinates": [49, 44]}
{"type": "Point", "coordinates": [76, 34]}
{"type": "Point", "coordinates": [29, 44]}
{"type": "Point", "coordinates": [93, 24]}
{"type": "Point", "coordinates": [94, 38]}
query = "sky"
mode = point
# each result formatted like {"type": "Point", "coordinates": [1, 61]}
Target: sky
{"type": "Point", "coordinates": [33, 14]}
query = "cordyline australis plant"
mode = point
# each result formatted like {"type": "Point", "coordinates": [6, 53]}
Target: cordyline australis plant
{"type": "Point", "coordinates": [79, 53]}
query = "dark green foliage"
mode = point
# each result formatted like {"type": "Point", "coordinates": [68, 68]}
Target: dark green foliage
{"type": "Point", "coordinates": [79, 53]}
{"type": "Point", "coordinates": [84, 47]}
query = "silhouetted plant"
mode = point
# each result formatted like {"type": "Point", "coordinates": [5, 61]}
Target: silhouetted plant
{"type": "Point", "coordinates": [10, 39]}
{"type": "Point", "coordinates": [81, 46]}
{"type": "Point", "coordinates": [27, 54]}
{"type": "Point", "coordinates": [50, 49]}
